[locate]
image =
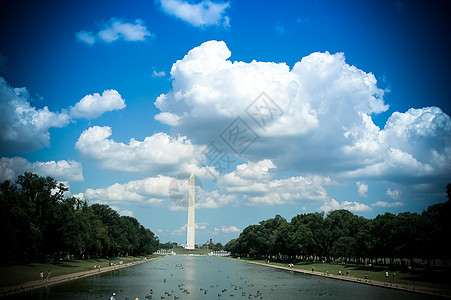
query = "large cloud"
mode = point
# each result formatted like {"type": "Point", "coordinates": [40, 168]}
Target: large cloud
{"type": "Point", "coordinates": [316, 117]}
{"type": "Point", "coordinates": [62, 170]}
{"type": "Point", "coordinates": [202, 14]}
{"type": "Point", "coordinates": [159, 153]}
{"type": "Point", "coordinates": [24, 127]}
{"type": "Point", "coordinates": [414, 144]}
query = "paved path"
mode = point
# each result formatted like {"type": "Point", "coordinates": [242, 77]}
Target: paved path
{"type": "Point", "coordinates": [402, 287]}
{"type": "Point", "coordinates": [27, 286]}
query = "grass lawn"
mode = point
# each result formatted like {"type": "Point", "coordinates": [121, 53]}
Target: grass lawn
{"type": "Point", "coordinates": [437, 279]}
{"type": "Point", "coordinates": [192, 251]}
{"type": "Point", "coordinates": [18, 274]}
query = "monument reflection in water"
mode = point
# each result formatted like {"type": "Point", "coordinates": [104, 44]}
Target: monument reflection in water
{"type": "Point", "coordinates": [191, 229]}
{"type": "Point", "coordinates": [203, 277]}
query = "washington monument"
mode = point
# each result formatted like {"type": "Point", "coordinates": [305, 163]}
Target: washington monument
{"type": "Point", "coordinates": [190, 233]}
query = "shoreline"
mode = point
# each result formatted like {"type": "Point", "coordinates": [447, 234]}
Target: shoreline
{"type": "Point", "coordinates": [401, 287]}
{"type": "Point", "coordinates": [36, 284]}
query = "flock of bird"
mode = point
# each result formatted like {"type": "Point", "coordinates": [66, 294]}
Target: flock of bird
{"type": "Point", "coordinates": [186, 290]}
{"type": "Point", "coordinates": [223, 292]}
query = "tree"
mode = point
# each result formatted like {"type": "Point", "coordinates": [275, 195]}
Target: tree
{"type": "Point", "coordinates": [437, 226]}
{"type": "Point", "coordinates": [276, 232]}
{"type": "Point", "coordinates": [231, 246]}
{"type": "Point", "coordinates": [218, 247]}
{"type": "Point", "coordinates": [344, 246]}
{"type": "Point", "coordinates": [302, 241]}
{"type": "Point", "coordinates": [17, 231]}
{"type": "Point", "coordinates": [341, 234]}
{"type": "Point", "coordinates": [38, 223]}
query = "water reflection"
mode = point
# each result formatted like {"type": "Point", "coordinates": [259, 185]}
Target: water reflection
{"type": "Point", "coordinates": [202, 277]}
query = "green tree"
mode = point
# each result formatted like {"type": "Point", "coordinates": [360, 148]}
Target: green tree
{"type": "Point", "coordinates": [218, 247]}
{"type": "Point", "coordinates": [38, 223]}
{"type": "Point", "coordinates": [231, 246]}
{"type": "Point", "coordinates": [302, 241]}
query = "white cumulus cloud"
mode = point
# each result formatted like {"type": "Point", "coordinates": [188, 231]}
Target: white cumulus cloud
{"type": "Point", "coordinates": [116, 29]}
{"type": "Point", "coordinates": [227, 229]}
{"type": "Point", "coordinates": [316, 101]}
{"type": "Point", "coordinates": [316, 117]}
{"type": "Point", "coordinates": [355, 207]}
{"type": "Point", "coordinates": [92, 106]}
{"type": "Point", "coordinates": [156, 73]}
{"type": "Point", "coordinates": [157, 153]}
{"type": "Point", "coordinates": [202, 14]}
{"type": "Point", "coordinates": [387, 204]}
{"type": "Point", "coordinates": [394, 194]}
{"type": "Point", "coordinates": [11, 167]}
{"type": "Point", "coordinates": [199, 226]}
{"type": "Point", "coordinates": [238, 188]}
{"type": "Point", "coordinates": [151, 190]}
{"type": "Point", "coordinates": [362, 188]}
{"type": "Point", "coordinates": [87, 37]}
{"type": "Point", "coordinates": [256, 184]}
{"type": "Point", "coordinates": [24, 127]}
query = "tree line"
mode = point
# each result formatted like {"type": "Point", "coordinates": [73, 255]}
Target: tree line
{"type": "Point", "coordinates": [342, 235]}
{"type": "Point", "coordinates": [38, 223]}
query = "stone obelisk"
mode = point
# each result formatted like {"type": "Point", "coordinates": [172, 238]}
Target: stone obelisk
{"type": "Point", "coordinates": [190, 233]}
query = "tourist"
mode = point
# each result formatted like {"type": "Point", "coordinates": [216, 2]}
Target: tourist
{"type": "Point", "coordinates": [41, 275]}
{"type": "Point", "coordinates": [48, 275]}
{"type": "Point", "coordinates": [113, 297]}
{"type": "Point", "coordinates": [386, 275]}
{"type": "Point", "coordinates": [313, 268]}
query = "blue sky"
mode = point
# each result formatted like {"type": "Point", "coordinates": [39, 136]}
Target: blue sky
{"type": "Point", "coordinates": [278, 108]}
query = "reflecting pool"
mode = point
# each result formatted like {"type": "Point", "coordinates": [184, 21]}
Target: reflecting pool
{"type": "Point", "coordinates": [205, 277]}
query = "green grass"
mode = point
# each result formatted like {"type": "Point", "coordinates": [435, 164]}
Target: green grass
{"type": "Point", "coordinates": [192, 251]}
{"type": "Point", "coordinates": [18, 274]}
{"type": "Point", "coordinates": [437, 279]}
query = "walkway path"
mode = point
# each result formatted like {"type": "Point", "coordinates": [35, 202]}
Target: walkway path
{"type": "Point", "coordinates": [27, 286]}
